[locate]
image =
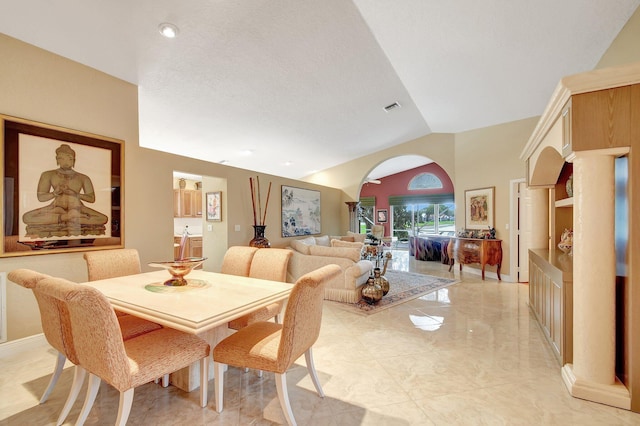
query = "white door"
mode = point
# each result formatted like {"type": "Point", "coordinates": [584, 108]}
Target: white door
{"type": "Point", "coordinates": [525, 210]}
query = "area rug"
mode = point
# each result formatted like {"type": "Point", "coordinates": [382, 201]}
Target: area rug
{"type": "Point", "coordinates": [403, 286]}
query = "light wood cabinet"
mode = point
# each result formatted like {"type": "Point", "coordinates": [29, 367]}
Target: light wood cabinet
{"type": "Point", "coordinates": [192, 248]}
{"type": "Point", "coordinates": [551, 299]}
{"type": "Point", "coordinates": [474, 250]}
{"type": "Point", "coordinates": [187, 203]}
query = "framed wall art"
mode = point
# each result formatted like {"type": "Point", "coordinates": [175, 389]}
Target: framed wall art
{"type": "Point", "coordinates": [479, 208]}
{"type": "Point", "coordinates": [61, 187]}
{"type": "Point", "coordinates": [214, 206]}
{"type": "Point", "coordinates": [381, 215]}
{"type": "Point", "coordinates": [300, 211]}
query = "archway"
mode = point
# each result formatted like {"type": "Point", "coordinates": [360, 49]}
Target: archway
{"type": "Point", "coordinates": [410, 195]}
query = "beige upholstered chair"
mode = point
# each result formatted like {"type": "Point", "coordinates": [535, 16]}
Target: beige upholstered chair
{"type": "Point", "coordinates": [273, 347]}
{"type": "Point", "coordinates": [123, 364]}
{"type": "Point", "coordinates": [267, 264]}
{"type": "Point", "coordinates": [50, 320]}
{"type": "Point", "coordinates": [237, 260]}
{"type": "Point", "coordinates": [103, 264]}
{"type": "Point", "coordinates": [56, 327]}
{"type": "Point", "coordinates": [377, 231]}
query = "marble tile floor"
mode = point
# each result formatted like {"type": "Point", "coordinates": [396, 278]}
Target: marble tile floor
{"type": "Point", "coordinates": [469, 354]}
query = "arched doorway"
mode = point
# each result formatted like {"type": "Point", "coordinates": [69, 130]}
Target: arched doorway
{"type": "Point", "coordinates": [409, 195]}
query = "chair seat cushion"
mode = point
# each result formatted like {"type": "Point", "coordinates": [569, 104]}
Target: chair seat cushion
{"type": "Point", "coordinates": [262, 314]}
{"type": "Point", "coordinates": [154, 354]}
{"type": "Point", "coordinates": [132, 326]}
{"type": "Point", "coordinates": [255, 347]}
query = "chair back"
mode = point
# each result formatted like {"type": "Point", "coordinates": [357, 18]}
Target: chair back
{"type": "Point", "coordinates": [103, 264]}
{"type": "Point", "coordinates": [96, 334]}
{"type": "Point", "coordinates": [303, 316]}
{"type": "Point", "coordinates": [237, 260]}
{"type": "Point", "coordinates": [377, 231]}
{"type": "Point", "coordinates": [270, 264]}
{"type": "Point", "coordinates": [54, 315]}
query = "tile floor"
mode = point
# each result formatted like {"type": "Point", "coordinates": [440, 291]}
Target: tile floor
{"type": "Point", "coordinates": [470, 354]}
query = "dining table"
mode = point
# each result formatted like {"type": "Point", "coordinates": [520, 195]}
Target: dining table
{"type": "Point", "coordinates": [203, 307]}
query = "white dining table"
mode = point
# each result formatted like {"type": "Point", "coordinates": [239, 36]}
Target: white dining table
{"type": "Point", "coordinates": [203, 307]}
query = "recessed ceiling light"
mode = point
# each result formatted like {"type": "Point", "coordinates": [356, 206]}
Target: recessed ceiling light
{"type": "Point", "coordinates": [288, 163]}
{"type": "Point", "coordinates": [168, 30]}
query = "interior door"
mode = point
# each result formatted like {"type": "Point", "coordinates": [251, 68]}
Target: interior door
{"type": "Point", "coordinates": [525, 210]}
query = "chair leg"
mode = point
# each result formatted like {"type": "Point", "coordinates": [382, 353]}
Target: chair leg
{"type": "Point", "coordinates": [204, 381]}
{"type": "Point", "coordinates": [165, 381]}
{"type": "Point", "coordinates": [92, 391]}
{"type": "Point", "coordinates": [218, 389]}
{"type": "Point", "coordinates": [79, 374]}
{"type": "Point", "coordinates": [124, 407]}
{"type": "Point", "coordinates": [283, 396]}
{"type": "Point", "coordinates": [57, 370]}
{"type": "Point", "coordinates": [308, 356]}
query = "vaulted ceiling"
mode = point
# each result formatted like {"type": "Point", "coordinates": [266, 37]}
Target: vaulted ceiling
{"type": "Point", "coordinates": [291, 87]}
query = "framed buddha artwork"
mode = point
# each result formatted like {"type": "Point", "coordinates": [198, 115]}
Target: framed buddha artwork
{"type": "Point", "coordinates": [61, 189]}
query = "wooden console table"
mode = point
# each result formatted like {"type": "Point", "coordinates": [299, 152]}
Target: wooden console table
{"type": "Point", "coordinates": [475, 250]}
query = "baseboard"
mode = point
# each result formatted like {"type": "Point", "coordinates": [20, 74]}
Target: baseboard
{"type": "Point", "coordinates": [25, 344]}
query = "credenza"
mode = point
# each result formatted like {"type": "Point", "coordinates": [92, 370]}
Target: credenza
{"type": "Point", "coordinates": [475, 250]}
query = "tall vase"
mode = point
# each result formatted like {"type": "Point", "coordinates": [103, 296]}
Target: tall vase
{"type": "Point", "coordinates": [259, 239]}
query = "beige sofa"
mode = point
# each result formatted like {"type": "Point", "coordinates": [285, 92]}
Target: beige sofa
{"type": "Point", "coordinates": [312, 253]}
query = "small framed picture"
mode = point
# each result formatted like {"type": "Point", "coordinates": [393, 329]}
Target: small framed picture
{"type": "Point", "coordinates": [479, 208]}
{"type": "Point", "coordinates": [381, 215]}
{"type": "Point", "coordinates": [214, 206]}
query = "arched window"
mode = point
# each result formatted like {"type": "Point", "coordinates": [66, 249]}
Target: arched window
{"type": "Point", "coordinates": [424, 181]}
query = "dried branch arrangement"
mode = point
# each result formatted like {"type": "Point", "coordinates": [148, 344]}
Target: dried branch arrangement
{"type": "Point", "coordinates": [258, 216]}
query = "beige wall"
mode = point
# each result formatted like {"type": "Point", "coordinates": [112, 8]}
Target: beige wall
{"type": "Point", "coordinates": [47, 88]}
{"type": "Point", "coordinates": [626, 47]}
{"type": "Point", "coordinates": [474, 159]}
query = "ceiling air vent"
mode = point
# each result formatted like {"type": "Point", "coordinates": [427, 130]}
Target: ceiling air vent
{"type": "Point", "coordinates": [394, 105]}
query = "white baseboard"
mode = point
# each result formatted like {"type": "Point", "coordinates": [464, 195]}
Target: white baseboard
{"type": "Point", "coordinates": [26, 344]}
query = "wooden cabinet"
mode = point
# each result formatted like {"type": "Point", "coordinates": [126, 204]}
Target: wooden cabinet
{"type": "Point", "coordinates": [192, 248]}
{"type": "Point", "coordinates": [187, 203]}
{"type": "Point", "coordinates": [474, 250]}
{"type": "Point", "coordinates": [551, 299]}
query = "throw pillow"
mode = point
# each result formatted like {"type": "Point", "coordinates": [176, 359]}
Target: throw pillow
{"type": "Point", "coordinates": [310, 241]}
{"type": "Point", "coordinates": [346, 252]}
{"type": "Point", "coordinates": [348, 239]}
{"type": "Point", "coordinates": [350, 244]}
{"type": "Point", "coordinates": [357, 237]}
{"type": "Point", "coordinates": [323, 241]}
{"type": "Point", "coordinates": [300, 247]}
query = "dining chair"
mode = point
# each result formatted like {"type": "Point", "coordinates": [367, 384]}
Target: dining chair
{"type": "Point", "coordinates": [123, 364]}
{"type": "Point", "coordinates": [274, 347]}
{"type": "Point", "coordinates": [56, 328]}
{"type": "Point", "coordinates": [55, 322]}
{"type": "Point", "coordinates": [103, 264]}
{"type": "Point", "coordinates": [237, 260]}
{"type": "Point", "coordinates": [267, 264]}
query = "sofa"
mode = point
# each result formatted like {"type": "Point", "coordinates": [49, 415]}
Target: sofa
{"type": "Point", "coordinates": [312, 253]}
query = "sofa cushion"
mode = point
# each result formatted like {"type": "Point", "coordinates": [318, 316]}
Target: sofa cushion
{"type": "Point", "coordinates": [346, 252]}
{"type": "Point", "coordinates": [348, 239]}
{"type": "Point", "coordinates": [323, 241]}
{"type": "Point", "coordinates": [310, 241]}
{"type": "Point", "coordinates": [300, 247]}
{"type": "Point", "coordinates": [357, 237]}
{"type": "Point", "coordinates": [351, 244]}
